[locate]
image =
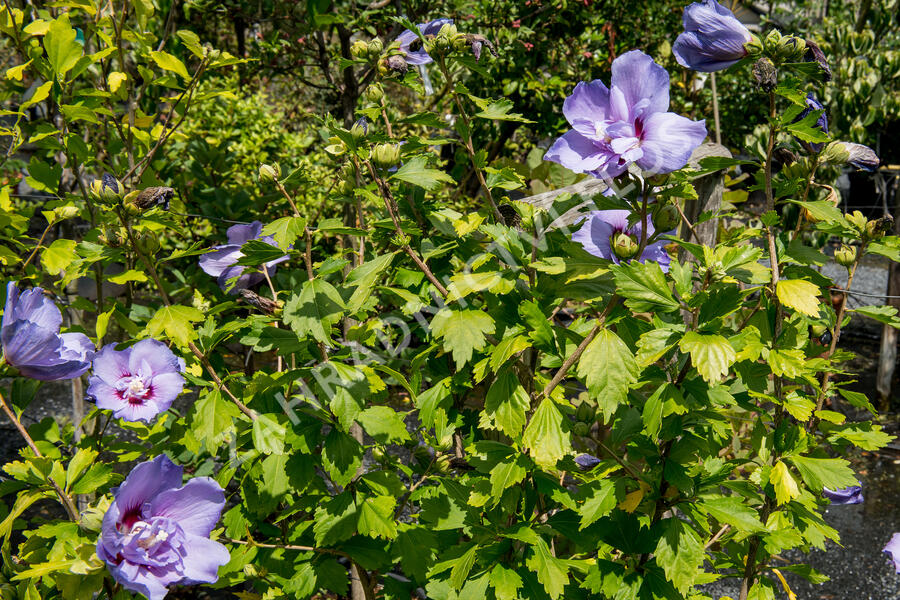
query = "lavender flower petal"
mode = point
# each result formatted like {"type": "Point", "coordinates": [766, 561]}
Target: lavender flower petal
{"type": "Point", "coordinates": [893, 549]}
{"type": "Point", "coordinates": [847, 495]}
{"type": "Point", "coordinates": [625, 123]}
{"type": "Point", "coordinates": [156, 534]}
{"type": "Point", "coordinates": [419, 56]}
{"type": "Point", "coordinates": [137, 383]}
{"type": "Point", "coordinates": [31, 340]}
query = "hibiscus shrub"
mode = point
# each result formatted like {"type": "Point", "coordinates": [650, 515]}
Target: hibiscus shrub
{"type": "Point", "coordinates": [501, 399]}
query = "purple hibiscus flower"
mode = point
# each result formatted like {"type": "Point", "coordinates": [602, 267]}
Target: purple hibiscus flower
{"type": "Point", "coordinates": [861, 157]}
{"type": "Point", "coordinates": [821, 123]}
{"type": "Point", "coordinates": [137, 383]}
{"type": "Point", "coordinates": [32, 342]}
{"type": "Point", "coordinates": [625, 123]}
{"type": "Point", "coordinates": [220, 263]}
{"type": "Point", "coordinates": [847, 495]}
{"type": "Point", "coordinates": [419, 56]}
{"type": "Point", "coordinates": [156, 531]}
{"type": "Point", "coordinates": [713, 38]}
{"type": "Point", "coordinates": [606, 234]}
{"type": "Point", "coordinates": [893, 549]}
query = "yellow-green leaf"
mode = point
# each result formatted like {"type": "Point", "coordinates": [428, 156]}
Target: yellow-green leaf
{"type": "Point", "coordinates": [711, 355]}
{"type": "Point", "coordinates": [168, 62]}
{"type": "Point", "coordinates": [800, 295]}
{"type": "Point", "coordinates": [175, 322]}
{"type": "Point", "coordinates": [785, 487]}
{"type": "Point", "coordinates": [115, 80]}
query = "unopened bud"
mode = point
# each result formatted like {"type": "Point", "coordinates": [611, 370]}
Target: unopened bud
{"type": "Point", "coordinates": [765, 74]}
{"type": "Point", "coordinates": [581, 429]}
{"type": "Point", "coordinates": [261, 303]}
{"type": "Point", "coordinates": [791, 48]}
{"type": "Point", "coordinates": [269, 173]}
{"type": "Point", "coordinates": [665, 217]}
{"type": "Point", "coordinates": [861, 157]}
{"type": "Point", "coordinates": [858, 220]}
{"type": "Point", "coordinates": [65, 212]}
{"type": "Point", "coordinates": [375, 48]}
{"type": "Point", "coordinates": [386, 155]}
{"type": "Point", "coordinates": [360, 129]}
{"type": "Point", "coordinates": [359, 49]}
{"type": "Point", "coordinates": [845, 255]}
{"type": "Point", "coordinates": [773, 39]}
{"type": "Point", "coordinates": [624, 246]}
{"type": "Point", "coordinates": [585, 413]}
{"type": "Point", "coordinates": [112, 237]}
{"type": "Point", "coordinates": [107, 188]}
{"type": "Point", "coordinates": [374, 93]}
{"type": "Point", "coordinates": [754, 47]}
{"type": "Point", "coordinates": [148, 242]}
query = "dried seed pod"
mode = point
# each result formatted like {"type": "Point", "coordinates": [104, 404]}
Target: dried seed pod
{"type": "Point", "coordinates": [264, 305]}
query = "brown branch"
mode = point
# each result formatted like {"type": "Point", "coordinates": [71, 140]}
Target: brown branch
{"type": "Point", "coordinates": [63, 496]}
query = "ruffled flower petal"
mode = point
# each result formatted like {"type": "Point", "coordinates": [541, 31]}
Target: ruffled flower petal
{"type": "Point", "coordinates": [641, 81]}
{"type": "Point", "coordinates": [578, 153]}
{"type": "Point", "coordinates": [668, 142]}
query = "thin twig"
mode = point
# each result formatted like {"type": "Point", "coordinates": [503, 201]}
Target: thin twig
{"type": "Point", "coordinates": [63, 497]}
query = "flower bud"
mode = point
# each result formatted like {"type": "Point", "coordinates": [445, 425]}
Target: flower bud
{"type": "Point", "coordinates": [107, 189]}
{"type": "Point", "coordinates": [585, 413]}
{"type": "Point", "coordinates": [791, 48]}
{"type": "Point", "coordinates": [375, 47]}
{"type": "Point", "coordinates": [359, 49]}
{"type": "Point", "coordinates": [765, 74]}
{"type": "Point", "coordinates": [261, 303]}
{"type": "Point", "coordinates": [112, 237]}
{"type": "Point", "coordinates": [269, 173]}
{"type": "Point", "coordinates": [845, 255]}
{"type": "Point", "coordinates": [624, 246]}
{"type": "Point", "coordinates": [754, 47]}
{"type": "Point", "coordinates": [773, 39]}
{"type": "Point", "coordinates": [386, 155]}
{"type": "Point", "coordinates": [861, 157]}
{"type": "Point", "coordinates": [374, 93]}
{"type": "Point", "coordinates": [360, 129]}
{"type": "Point", "coordinates": [62, 213]}
{"type": "Point", "coordinates": [665, 217]}
{"type": "Point", "coordinates": [857, 219]}
{"type": "Point", "coordinates": [148, 242]}
{"type": "Point", "coordinates": [581, 429]}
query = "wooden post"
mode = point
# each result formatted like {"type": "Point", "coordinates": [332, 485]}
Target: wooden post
{"type": "Point", "coordinates": [887, 358]}
{"type": "Point", "coordinates": [710, 188]}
